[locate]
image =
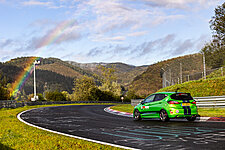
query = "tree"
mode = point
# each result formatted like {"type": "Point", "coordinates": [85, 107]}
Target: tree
{"type": "Point", "coordinates": [55, 96]}
{"type": "Point", "coordinates": [215, 50]}
{"type": "Point", "coordinates": [4, 93]}
{"type": "Point", "coordinates": [217, 24]}
{"type": "Point", "coordinates": [109, 80]}
{"type": "Point", "coordinates": [82, 88]}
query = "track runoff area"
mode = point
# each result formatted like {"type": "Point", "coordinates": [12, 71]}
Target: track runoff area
{"type": "Point", "coordinates": [92, 123]}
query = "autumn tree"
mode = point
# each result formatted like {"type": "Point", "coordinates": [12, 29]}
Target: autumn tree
{"type": "Point", "coordinates": [108, 80]}
{"type": "Point", "coordinates": [82, 88]}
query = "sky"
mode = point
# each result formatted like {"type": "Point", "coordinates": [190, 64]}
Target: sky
{"type": "Point", "coordinates": [136, 32]}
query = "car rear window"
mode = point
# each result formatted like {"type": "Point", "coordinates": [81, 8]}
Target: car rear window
{"type": "Point", "coordinates": [182, 96]}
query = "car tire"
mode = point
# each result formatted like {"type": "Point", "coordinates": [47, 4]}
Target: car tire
{"type": "Point", "coordinates": [164, 116]}
{"type": "Point", "coordinates": [137, 115]}
{"type": "Point", "coordinates": [192, 118]}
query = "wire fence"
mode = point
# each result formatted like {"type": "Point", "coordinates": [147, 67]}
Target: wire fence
{"type": "Point", "coordinates": [170, 78]}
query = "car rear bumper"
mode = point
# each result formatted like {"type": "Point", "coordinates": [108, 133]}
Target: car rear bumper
{"type": "Point", "coordinates": [182, 113]}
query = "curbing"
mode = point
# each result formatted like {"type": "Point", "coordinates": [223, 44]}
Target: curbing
{"type": "Point", "coordinates": [199, 119]}
{"type": "Point", "coordinates": [68, 135]}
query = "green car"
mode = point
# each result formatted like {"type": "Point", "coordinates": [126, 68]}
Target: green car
{"type": "Point", "coordinates": [167, 105]}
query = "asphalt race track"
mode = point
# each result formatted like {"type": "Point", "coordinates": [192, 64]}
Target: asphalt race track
{"type": "Point", "coordinates": [92, 122]}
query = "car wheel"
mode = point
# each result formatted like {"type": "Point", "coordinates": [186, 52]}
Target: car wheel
{"type": "Point", "coordinates": [191, 118]}
{"type": "Point", "coordinates": [164, 116]}
{"type": "Point", "coordinates": [137, 115]}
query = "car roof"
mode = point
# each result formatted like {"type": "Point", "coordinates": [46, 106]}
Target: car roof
{"type": "Point", "coordinates": [169, 93]}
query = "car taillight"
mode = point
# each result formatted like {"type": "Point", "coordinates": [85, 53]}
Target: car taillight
{"type": "Point", "coordinates": [173, 102]}
{"type": "Point", "coordinates": [194, 102]}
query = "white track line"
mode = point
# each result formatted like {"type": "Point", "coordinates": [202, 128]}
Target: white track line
{"type": "Point", "coordinates": [77, 137]}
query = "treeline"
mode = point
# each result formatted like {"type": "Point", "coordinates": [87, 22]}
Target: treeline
{"type": "Point", "coordinates": [105, 88]}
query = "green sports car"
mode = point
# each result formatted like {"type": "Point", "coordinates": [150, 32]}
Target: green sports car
{"type": "Point", "coordinates": [167, 105]}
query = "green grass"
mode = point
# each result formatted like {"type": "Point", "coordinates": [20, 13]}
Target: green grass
{"type": "Point", "coordinates": [199, 88]}
{"type": "Point", "coordinates": [203, 112]}
{"type": "Point", "coordinates": [17, 135]}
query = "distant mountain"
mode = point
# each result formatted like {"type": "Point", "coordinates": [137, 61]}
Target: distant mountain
{"type": "Point", "coordinates": [150, 81]}
{"type": "Point", "coordinates": [125, 73]}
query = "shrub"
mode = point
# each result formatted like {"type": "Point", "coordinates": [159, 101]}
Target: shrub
{"type": "Point", "coordinates": [55, 96]}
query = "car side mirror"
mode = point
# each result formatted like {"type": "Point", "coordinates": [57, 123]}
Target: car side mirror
{"type": "Point", "coordinates": [142, 102]}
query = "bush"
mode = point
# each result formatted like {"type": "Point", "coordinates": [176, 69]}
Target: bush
{"type": "Point", "coordinates": [55, 96]}
{"type": "Point", "coordinates": [4, 94]}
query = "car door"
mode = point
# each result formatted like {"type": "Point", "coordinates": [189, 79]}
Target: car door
{"type": "Point", "coordinates": [146, 104]}
{"type": "Point", "coordinates": [156, 105]}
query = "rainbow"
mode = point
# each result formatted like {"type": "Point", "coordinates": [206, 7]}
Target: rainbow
{"type": "Point", "coordinates": [50, 38]}
{"type": "Point", "coordinates": [54, 35]}
{"type": "Point", "coordinates": [23, 76]}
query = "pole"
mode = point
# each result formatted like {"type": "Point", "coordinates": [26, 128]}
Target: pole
{"type": "Point", "coordinates": [222, 71]}
{"type": "Point", "coordinates": [181, 73]}
{"type": "Point", "coordinates": [204, 66]}
{"type": "Point", "coordinates": [34, 82]}
{"type": "Point", "coordinates": [170, 77]}
{"type": "Point", "coordinates": [35, 94]}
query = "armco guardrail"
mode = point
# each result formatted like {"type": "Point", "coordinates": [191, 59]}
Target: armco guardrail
{"type": "Point", "coordinates": [210, 101]}
{"type": "Point", "coordinates": [16, 104]}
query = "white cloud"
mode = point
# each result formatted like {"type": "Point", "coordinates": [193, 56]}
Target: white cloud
{"type": "Point", "coordinates": [180, 4]}
{"type": "Point", "coordinates": [36, 3]}
{"type": "Point", "coordinates": [135, 34]}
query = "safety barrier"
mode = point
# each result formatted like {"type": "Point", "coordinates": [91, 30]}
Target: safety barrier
{"type": "Point", "coordinates": [210, 101]}
{"type": "Point", "coordinates": [16, 104]}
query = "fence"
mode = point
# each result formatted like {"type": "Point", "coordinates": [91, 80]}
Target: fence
{"type": "Point", "coordinates": [169, 77]}
{"type": "Point", "coordinates": [211, 101]}
{"type": "Point", "coordinates": [16, 104]}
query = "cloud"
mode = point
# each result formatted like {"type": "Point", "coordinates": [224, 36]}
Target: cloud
{"type": "Point", "coordinates": [36, 3]}
{"type": "Point", "coordinates": [63, 32]}
{"type": "Point", "coordinates": [180, 4]}
{"type": "Point", "coordinates": [183, 46]}
{"type": "Point", "coordinates": [110, 20]}
{"type": "Point", "coordinates": [135, 34]}
{"type": "Point", "coordinates": [5, 43]}
{"type": "Point", "coordinates": [149, 52]}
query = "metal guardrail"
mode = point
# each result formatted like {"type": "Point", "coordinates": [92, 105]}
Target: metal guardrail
{"type": "Point", "coordinates": [210, 101]}
{"type": "Point", "coordinates": [16, 104]}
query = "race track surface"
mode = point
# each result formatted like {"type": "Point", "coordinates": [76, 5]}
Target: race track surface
{"type": "Point", "coordinates": [92, 122]}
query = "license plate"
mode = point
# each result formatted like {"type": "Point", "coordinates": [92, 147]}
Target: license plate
{"type": "Point", "coordinates": [186, 104]}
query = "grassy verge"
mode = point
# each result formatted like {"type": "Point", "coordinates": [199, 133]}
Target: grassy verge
{"type": "Point", "coordinates": [17, 135]}
{"type": "Point", "coordinates": [200, 88]}
{"type": "Point", "coordinates": [204, 112]}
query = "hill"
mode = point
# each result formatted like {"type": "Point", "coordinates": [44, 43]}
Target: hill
{"type": "Point", "coordinates": [150, 81]}
{"type": "Point", "coordinates": [52, 74]}
{"type": "Point", "coordinates": [125, 73]}
{"type": "Point", "coordinates": [211, 86]}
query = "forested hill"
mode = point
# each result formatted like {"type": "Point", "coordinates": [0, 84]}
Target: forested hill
{"type": "Point", "coordinates": [125, 73]}
{"type": "Point", "coordinates": [55, 74]}
{"type": "Point", "coordinates": [151, 80]}
{"type": "Point", "coordinates": [52, 64]}
{"type": "Point", "coordinates": [52, 74]}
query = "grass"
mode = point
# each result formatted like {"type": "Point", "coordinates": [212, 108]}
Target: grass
{"type": "Point", "coordinates": [200, 88]}
{"type": "Point", "coordinates": [17, 135]}
{"type": "Point", "coordinates": [203, 112]}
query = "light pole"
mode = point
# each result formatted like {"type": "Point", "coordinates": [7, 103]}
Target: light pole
{"type": "Point", "coordinates": [35, 95]}
{"type": "Point", "coordinates": [204, 69]}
